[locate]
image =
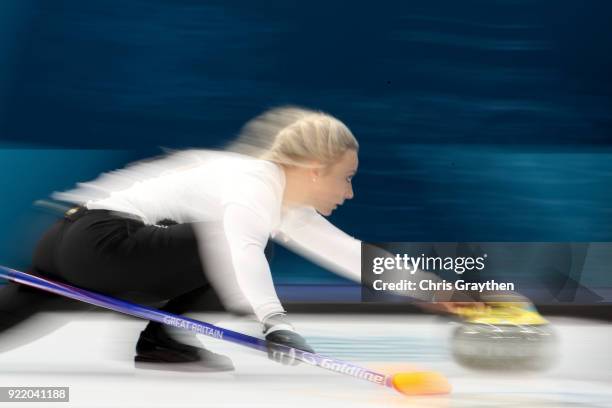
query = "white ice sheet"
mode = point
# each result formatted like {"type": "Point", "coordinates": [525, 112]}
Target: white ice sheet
{"type": "Point", "coordinates": [92, 354]}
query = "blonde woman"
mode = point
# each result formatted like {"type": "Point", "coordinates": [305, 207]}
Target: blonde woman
{"type": "Point", "coordinates": [178, 227]}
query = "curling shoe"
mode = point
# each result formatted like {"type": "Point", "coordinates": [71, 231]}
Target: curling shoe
{"type": "Point", "coordinates": [156, 350]}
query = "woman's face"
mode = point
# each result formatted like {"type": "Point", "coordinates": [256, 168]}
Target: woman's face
{"type": "Point", "coordinates": [333, 184]}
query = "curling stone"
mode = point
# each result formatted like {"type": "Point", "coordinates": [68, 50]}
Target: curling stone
{"type": "Point", "coordinates": [505, 337]}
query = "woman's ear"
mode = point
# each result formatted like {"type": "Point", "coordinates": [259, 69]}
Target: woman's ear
{"type": "Point", "coordinates": [313, 174]}
{"type": "Point", "coordinates": [316, 169]}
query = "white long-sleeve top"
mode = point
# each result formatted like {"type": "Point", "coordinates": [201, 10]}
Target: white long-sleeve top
{"type": "Point", "coordinates": [235, 205]}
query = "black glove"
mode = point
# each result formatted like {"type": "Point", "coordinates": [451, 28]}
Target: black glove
{"type": "Point", "coordinates": [280, 331]}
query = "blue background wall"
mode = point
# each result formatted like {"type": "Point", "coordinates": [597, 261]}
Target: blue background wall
{"type": "Point", "coordinates": [480, 120]}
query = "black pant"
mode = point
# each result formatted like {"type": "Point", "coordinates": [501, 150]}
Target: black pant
{"type": "Point", "coordinates": [110, 253]}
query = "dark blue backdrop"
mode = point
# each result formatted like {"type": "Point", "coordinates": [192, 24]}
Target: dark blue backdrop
{"type": "Point", "coordinates": [479, 120]}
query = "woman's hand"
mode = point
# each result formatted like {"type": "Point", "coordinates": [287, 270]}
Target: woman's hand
{"type": "Point", "coordinates": [279, 334]}
{"type": "Point", "coordinates": [452, 302]}
{"type": "Point", "coordinates": [461, 304]}
{"type": "Point", "coordinates": [454, 308]}
{"type": "Point", "coordinates": [289, 339]}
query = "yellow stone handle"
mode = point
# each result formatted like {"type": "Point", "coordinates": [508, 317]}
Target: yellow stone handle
{"type": "Point", "coordinates": [502, 313]}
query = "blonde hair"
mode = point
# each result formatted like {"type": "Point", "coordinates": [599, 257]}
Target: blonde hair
{"type": "Point", "coordinates": [294, 136]}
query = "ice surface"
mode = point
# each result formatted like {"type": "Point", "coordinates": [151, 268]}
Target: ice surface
{"type": "Point", "coordinates": [92, 354]}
